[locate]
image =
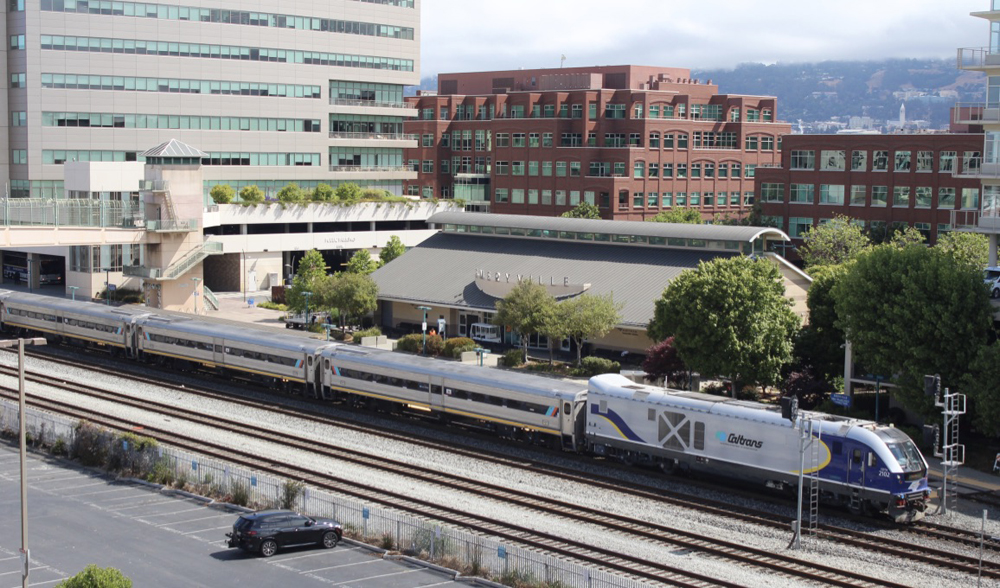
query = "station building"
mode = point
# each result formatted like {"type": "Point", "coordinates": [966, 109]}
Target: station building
{"type": "Point", "coordinates": [632, 140]}
{"type": "Point", "coordinates": [475, 259]}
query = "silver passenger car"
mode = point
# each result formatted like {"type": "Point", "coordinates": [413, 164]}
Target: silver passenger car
{"type": "Point", "coordinates": [96, 324]}
{"type": "Point", "coordinates": [512, 404]}
{"type": "Point", "coordinates": [262, 354]}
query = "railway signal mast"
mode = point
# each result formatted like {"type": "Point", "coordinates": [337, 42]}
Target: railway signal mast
{"type": "Point", "coordinates": [951, 452]}
{"type": "Point", "coordinates": [809, 445]}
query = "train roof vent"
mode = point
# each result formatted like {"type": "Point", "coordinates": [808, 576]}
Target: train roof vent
{"type": "Point", "coordinates": [639, 392]}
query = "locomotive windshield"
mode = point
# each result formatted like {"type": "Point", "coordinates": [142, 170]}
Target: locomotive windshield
{"type": "Point", "coordinates": [902, 448]}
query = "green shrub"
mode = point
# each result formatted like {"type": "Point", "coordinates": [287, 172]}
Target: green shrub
{"type": "Point", "coordinates": [372, 332]}
{"type": "Point", "coordinates": [592, 366]}
{"type": "Point", "coordinates": [513, 358]}
{"type": "Point", "coordinates": [222, 193]}
{"type": "Point", "coordinates": [95, 577]}
{"type": "Point", "coordinates": [90, 444]}
{"type": "Point", "coordinates": [162, 473]}
{"type": "Point", "coordinates": [411, 343]}
{"type": "Point", "coordinates": [456, 342]}
{"type": "Point", "coordinates": [272, 306]}
{"type": "Point", "coordinates": [290, 492]}
{"type": "Point", "coordinates": [435, 344]}
{"type": "Point", "coordinates": [457, 352]}
{"type": "Point", "coordinates": [122, 295]}
{"type": "Point", "coordinates": [239, 494]}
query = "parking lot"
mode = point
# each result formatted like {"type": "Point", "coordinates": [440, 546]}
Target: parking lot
{"type": "Point", "coordinates": [78, 517]}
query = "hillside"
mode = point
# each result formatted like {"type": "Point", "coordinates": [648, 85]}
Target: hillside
{"type": "Point", "coordinates": [813, 92]}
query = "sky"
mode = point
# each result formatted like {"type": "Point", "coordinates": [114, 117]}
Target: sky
{"type": "Point", "coordinates": [480, 35]}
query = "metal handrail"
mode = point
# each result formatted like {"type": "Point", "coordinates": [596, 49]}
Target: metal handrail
{"type": "Point", "coordinates": [973, 112]}
{"type": "Point", "coordinates": [141, 271]}
{"type": "Point", "coordinates": [371, 103]}
{"type": "Point", "coordinates": [172, 225]}
{"type": "Point", "coordinates": [192, 258]}
{"type": "Point", "coordinates": [364, 168]}
{"type": "Point", "coordinates": [377, 136]}
{"type": "Point", "coordinates": [154, 185]}
{"type": "Point", "coordinates": [210, 297]}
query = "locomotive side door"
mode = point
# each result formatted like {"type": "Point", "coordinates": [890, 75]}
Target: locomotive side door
{"type": "Point", "coordinates": [856, 467]}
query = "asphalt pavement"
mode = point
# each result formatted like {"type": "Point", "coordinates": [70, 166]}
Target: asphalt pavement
{"type": "Point", "coordinates": [79, 516]}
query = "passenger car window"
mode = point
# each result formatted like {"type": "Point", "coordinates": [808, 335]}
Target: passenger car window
{"type": "Point", "coordinates": [856, 456]}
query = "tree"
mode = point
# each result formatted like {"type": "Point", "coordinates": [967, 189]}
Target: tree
{"type": "Point", "coordinates": [251, 195]}
{"type": "Point", "coordinates": [351, 295]}
{"type": "Point", "coordinates": [688, 216]}
{"type": "Point", "coordinates": [729, 317]}
{"type": "Point", "coordinates": [913, 311]}
{"type": "Point", "coordinates": [362, 263]}
{"type": "Point", "coordinates": [583, 210]}
{"type": "Point", "coordinates": [393, 249]}
{"type": "Point", "coordinates": [587, 317]}
{"type": "Point", "coordinates": [222, 193]}
{"type": "Point", "coordinates": [95, 577]}
{"type": "Point", "coordinates": [311, 270]}
{"type": "Point", "coordinates": [290, 194]}
{"type": "Point", "coordinates": [348, 193]}
{"type": "Point", "coordinates": [819, 344]}
{"type": "Point", "coordinates": [832, 243]}
{"type": "Point", "coordinates": [322, 193]}
{"type": "Point", "coordinates": [663, 362]}
{"type": "Point", "coordinates": [980, 385]}
{"type": "Point", "coordinates": [907, 237]}
{"type": "Point", "coordinates": [527, 309]}
{"type": "Point", "coordinates": [972, 249]}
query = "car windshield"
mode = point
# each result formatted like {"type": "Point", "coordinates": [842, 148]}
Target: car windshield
{"type": "Point", "coordinates": [906, 454]}
{"type": "Point", "coordinates": [991, 275]}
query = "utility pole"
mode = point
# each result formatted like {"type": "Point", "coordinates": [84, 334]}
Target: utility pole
{"type": "Point", "coordinates": [424, 326]}
{"type": "Point", "coordinates": [22, 422]}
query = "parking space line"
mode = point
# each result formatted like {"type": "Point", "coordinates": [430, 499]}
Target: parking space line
{"type": "Point", "coordinates": [206, 530]}
{"type": "Point", "coordinates": [188, 521]}
{"type": "Point", "coordinates": [72, 476]}
{"type": "Point", "coordinates": [48, 582]}
{"type": "Point", "coordinates": [74, 486]}
{"type": "Point", "coordinates": [150, 503]}
{"type": "Point", "coordinates": [8, 558]}
{"type": "Point", "coordinates": [304, 556]}
{"type": "Point", "coordinates": [404, 572]}
{"type": "Point", "coordinates": [438, 584]}
{"type": "Point", "coordinates": [357, 563]}
{"type": "Point", "coordinates": [163, 514]}
{"type": "Point", "coordinates": [101, 492]}
{"type": "Point", "coordinates": [129, 496]}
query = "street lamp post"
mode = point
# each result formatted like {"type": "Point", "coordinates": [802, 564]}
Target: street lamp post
{"type": "Point", "coordinates": [308, 295]}
{"type": "Point", "coordinates": [107, 286]}
{"type": "Point", "coordinates": [288, 267]}
{"type": "Point", "coordinates": [73, 290]}
{"type": "Point", "coordinates": [423, 326]}
{"type": "Point", "coordinates": [196, 280]}
{"type": "Point", "coordinates": [20, 343]}
{"type": "Point", "coordinates": [878, 384]}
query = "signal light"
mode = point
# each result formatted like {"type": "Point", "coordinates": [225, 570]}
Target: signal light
{"type": "Point", "coordinates": [932, 386]}
{"type": "Point", "coordinates": [789, 407]}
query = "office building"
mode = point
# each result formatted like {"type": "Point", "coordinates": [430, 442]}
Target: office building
{"type": "Point", "coordinates": [632, 140]}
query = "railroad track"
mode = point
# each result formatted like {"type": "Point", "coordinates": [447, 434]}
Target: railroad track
{"type": "Point", "coordinates": [859, 539]}
{"type": "Point", "coordinates": [581, 551]}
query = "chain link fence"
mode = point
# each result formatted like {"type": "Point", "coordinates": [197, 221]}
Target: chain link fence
{"type": "Point", "coordinates": [470, 554]}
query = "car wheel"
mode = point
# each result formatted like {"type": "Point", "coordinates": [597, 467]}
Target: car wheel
{"type": "Point", "coordinates": [995, 293]}
{"type": "Point", "coordinates": [330, 539]}
{"type": "Point", "coordinates": [268, 548]}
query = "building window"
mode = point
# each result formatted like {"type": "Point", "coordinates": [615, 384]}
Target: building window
{"type": "Point", "coordinates": [695, 199]}
{"type": "Point", "coordinates": [517, 168]}
{"type": "Point", "coordinates": [858, 196]}
{"type": "Point", "coordinates": [533, 168]}
{"type": "Point", "coordinates": [682, 170]}
{"type": "Point", "coordinates": [517, 196]}
{"type": "Point", "coordinates": [668, 140]}
{"type": "Point", "coordinates": [501, 168]}
{"type": "Point", "coordinates": [880, 196]}
{"type": "Point", "coordinates": [18, 118]}
{"type": "Point", "coordinates": [735, 170]}
{"type": "Point", "coordinates": [532, 196]}
{"type": "Point", "coordinates": [533, 140]}
{"type": "Point", "coordinates": [750, 170]}
{"type": "Point", "coordinates": [880, 161]}
{"type": "Point", "coordinates": [766, 143]}
{"type": "Point", "coordinates": [750, 143]}
{"type": "Point", "coordinates": [546, 139]}
{"type": "Point", "coordinates": [18, 156]}
{"type": "Point", "coordinates": [638, 200]}
{"type": "Point", "coordinates": [831, 194]}
{"type": "Point", "coordinates": [500, 195]}
{"type": "Point", "coordinates": [427, 140]}
{"type": "Point", "coordinates": [923, 197]}
{"type": "Point", "coordinates": [654, 140]}
{"type": "Point", "coordinates": [970, 198]}
{"type": "Point", "coordinates": [17, 42]}
{"type": "Point", "coordinates": [682, 199]}
{"type": "Point", "coordinates": [428, 166]}
{"type": "Point", "coordinates": [901, 197]}
{"type": "Point", "coordinates": [18, 80]}
{"type": "Point", "coordinates": [668, 170]}
{"type": "Point", "coordinates": [668, 199]}
{"type": "Point", "coordinates": [560, 197]}
{"type": "Point", "coordinates": [802, 193]}
{"type": "Point", "coordinates": [682, 141]}
{"type": "Point", "coordinates": [947, 161]}
{"type": "Point", "coordinates": [695, 170]}
{"type": "Point", "coordinates": [574, 169]}
{"type": "Point", "coordinates": [832, 160]}
{"type": "Point", "coordinates": [547, 168]}
{"type": "Point", "coordinates": [734, 115]}
{"type": "Point", "coordinates": [924, 228]}
{"type": "Point", "coordinates": [634, 140]}
{"type": "Point", "coordinates": [547, 197]}
{"type": "Point", "coordinates": [803, 159]}
{"type": "Point", "coordinates": [798, 226]}
{"type": "Point", "coordinates": [859, 161]}
{"type": "Point", "coordinates": [560, 169]}
{"type": "Point", "coordinates": [652, 199]}
{"type": "Point", "coordinates": [946, 198]}
{"type": "Point", "coordinates": [772, 192]}
{"type": "Point", "coordinates": [902, 161]}
{"type": "Point", "coordinates": [639, 169]}
{"type": "Point", "coordinates": [503, 140]}
{"type": "Point", "coordinates": [654, 170]}
{"type": "Point", "coordinates": [971, 161]}
{"type": "Point", "coordinates": [615, 111]}
{"type": "Point", "coordinates": [925, 161]}
{"type": "Point", "coordinates": [518, 139]}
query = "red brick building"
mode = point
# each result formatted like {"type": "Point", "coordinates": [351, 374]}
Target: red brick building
{"type": "Point", "coordinates": [631, 140]}
{"type": "Point", "coordinates": [925, 181]}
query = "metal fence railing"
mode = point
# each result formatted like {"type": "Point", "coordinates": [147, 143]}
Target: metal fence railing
{"type": "Point", "coordinates": [471, 554]}
{"type": "Point", "coordinates": [70, 212]}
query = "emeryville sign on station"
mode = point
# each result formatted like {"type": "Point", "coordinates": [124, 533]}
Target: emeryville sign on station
{"type": "Point", "coordinates": [499, 284]}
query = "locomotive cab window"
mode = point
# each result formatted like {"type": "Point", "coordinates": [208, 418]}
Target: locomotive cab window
{"type": "Point", "coordinates": [856, 456]}
{"type": "Point", "coordinates": [872, 459]}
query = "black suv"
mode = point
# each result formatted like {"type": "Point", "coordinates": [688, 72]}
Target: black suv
{"type": "Point", "coordinates": [267, 530]}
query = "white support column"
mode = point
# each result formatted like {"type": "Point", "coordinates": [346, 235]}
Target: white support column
{"type": "Point", "coordinates": [848, 369]}
{"type": "Point", "coordinates": [993, 249]}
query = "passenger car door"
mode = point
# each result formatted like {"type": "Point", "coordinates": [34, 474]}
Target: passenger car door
{"type": "Point", "coordinates": [856, 467]}
{"type": "Point", "coordinates": [299, 530]}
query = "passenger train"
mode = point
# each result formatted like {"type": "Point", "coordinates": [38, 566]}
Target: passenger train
{"type": "Point", "coordinates": [862, 465]}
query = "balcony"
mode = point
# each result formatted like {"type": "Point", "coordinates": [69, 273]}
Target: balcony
{"type": "Point", "coordinates": [373, 172]}
{"type": "Point", "coordinates": [977, 167]}
{"type": "Point", "coordinates": [372, 107]}
{"type": "Point", "coordinates": [400, 140]}
{"type": "Point", "coordinates": [978, 59]}
{"type": "Point", "coordinates": [370, 103]}
{"type": "Point", "coordinates": [154, 186]}
{"type": "Point", "coordinates": [975, 113]}
{"type": "Point", "coordinates": [375, 136]}
{"type": "Point", "coordinates": [171, 226]}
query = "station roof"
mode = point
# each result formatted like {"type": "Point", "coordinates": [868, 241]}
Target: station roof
{"type": "Point", "coordinates": [174, 148]}
{"type": "Point", "coordinates": [442, 270]}
{"type": "Point", "coordinates": [611, 227]}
